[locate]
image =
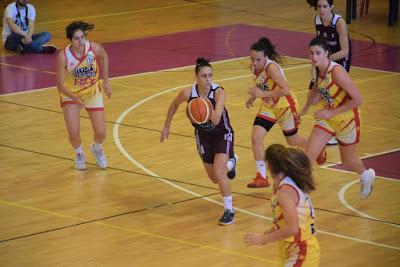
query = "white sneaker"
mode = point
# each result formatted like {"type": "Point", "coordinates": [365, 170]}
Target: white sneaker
{"type": "Point", "coordinates": [332, 141]}
{"type": "Point", "coordinates": [100, 157]}
{"type": "Point", "coordinates": [233, 162]}
{"type": "Point", "coordinates": [80, 161]}
{"type": "Point", "coordinates": [367, 184]}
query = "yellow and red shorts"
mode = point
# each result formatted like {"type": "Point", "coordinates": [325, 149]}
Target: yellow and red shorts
{"type": "Point", "coordinates": [91, 102]}
{"type": "Point", "coordinates": [305, 253]}
{"type": "Point", "coordinates": [286, 118]}
{"type": "Point", "coordinates": [347, 131]}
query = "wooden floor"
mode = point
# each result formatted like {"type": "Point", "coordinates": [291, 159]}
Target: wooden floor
{"type": "Point", "coordinates": [155, 206]}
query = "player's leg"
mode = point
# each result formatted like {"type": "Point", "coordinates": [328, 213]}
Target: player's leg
{"type": "Point", "coordinates": [99, 134]}
{"type": "Point", "coordinates": [220, 172]}
{"type": "Point", "coordinates": [72, 122]}
{"type": "Point", "coordinates": [260, 129]}
{"type": "Point", "coordinates": [316, 143]}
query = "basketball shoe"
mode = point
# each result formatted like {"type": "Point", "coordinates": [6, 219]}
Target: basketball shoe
{"type": "Point", "coordinates": [100, 157]}
{"type": "Point", "coordinates": [367, 184]}
{"type": "Point", "coordinates": [332, 142]}
{"type": "Point", "coordinates": [258, 182]}
{"type": "Point", "coordinates": [321, 159]}
{"type": "Point", "coordinates": [80, 161]}
{"type": "Point", "coordinates": [232, 173]}
{"type": "Point", "coordinates": [227, 218]}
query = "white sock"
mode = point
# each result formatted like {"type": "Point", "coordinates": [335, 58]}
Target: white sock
{"type": "Point", "coordinates": [79, 150]}
{"type": "Point", "coordinates": [97, 146]}
{"type": "Point", "coordinates": [262, 168]}
{"type": "Point", "coordinates": [228, 203]}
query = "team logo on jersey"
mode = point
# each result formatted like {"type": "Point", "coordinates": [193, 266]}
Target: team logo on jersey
{"type": "Point", "coordinates": [90, 59]}
{"type": "Point", "coordinates": [263, 85]}
{"type": "Point", "coordinates": [262, 78]}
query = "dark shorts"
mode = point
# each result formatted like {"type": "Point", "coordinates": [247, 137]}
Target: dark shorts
{"type": "Point", "coordinates": [209, 144]}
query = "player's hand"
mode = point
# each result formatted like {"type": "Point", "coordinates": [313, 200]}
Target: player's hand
{"type": "Point", "coordinates": [299, 115]}
{"type": "Point", "coordinates": [164, 134]}
{"type": "Point", "coordinates": [255, 92]}
{"type": "Point", "coordinates": [107, 89]}
{"type": "Point", "coordinates": [250, 101]}
{"type": "Point", "coordinates": [79, 102]}
{"type": "Point", "coordinates": [323, 114]}
{"type": "Point", "coordinates": [254, 239]}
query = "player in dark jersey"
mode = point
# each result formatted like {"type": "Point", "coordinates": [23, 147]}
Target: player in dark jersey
{"type": "Point", "coordinates": [332, 27]}
{"type": "Point", "coordinates": [214, 138]}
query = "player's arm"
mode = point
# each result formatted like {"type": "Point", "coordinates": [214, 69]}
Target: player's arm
{"type": "Point", "coordinates": [173, 107]}
{"type": "Point", "coordinates": [343, 41]}
{"type": "Point", "coordinates": [283, 89]}
{"type": "Point", "coordinates": [101, 53]}
{"type": "Point", "coordinates": [287, 198]}
{"type": "Point", "coordinates": [14, 27]}
{"type": "Point", "coordinates": [342, 79]}
{"type": "Point", "coordinates": [272, 71]}
{"type": "Point", "coordinates": [61, 70]}
{"type": "Point", "coordinates": [313, 97]}
{"type": "Point", "coordinates": [220, 97]}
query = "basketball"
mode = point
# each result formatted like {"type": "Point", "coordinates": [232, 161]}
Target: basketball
{"type": "Point", "coordinates": [199, 110]}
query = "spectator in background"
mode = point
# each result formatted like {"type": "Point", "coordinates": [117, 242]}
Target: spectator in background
{"type": "Point", "coordinates": [18, 30]}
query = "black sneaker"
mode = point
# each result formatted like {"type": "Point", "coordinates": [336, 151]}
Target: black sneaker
{"type": "Point", "coordinates": [227, 218]}
{"type": "Point", "coordinates": [49, 49]}
{"type": "Point", "coordinates": [232, 173]}
{"type": "Point", "coordinates": [19, 50]}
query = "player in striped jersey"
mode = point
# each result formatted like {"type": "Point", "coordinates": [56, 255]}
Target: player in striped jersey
{"type": "Point", "coordinates": [293, 226]}
{"type": "Point", "coordinates": [338, 99]}
{"type": "Point", "coordinates": [79, 87]}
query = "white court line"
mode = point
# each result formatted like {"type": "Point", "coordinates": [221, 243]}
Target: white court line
{"type": "Point", "coordinates": [184, 67]}
{"type": "Point", "coordinates": [138, 164]}
{"type": "Point", "coordinates": [132, 75]}
{"type": "Point", "coordinates": [348, 206]}
{"type": "Point", "coordinates": [343, 190]}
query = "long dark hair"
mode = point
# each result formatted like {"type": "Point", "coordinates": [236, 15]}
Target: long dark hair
{"type": "Point", "coordinates": [200, 63]}
{"type": "Point", "coordinates": [292, 162]}
{"type": "Point", "coordinates": [321, 42]}
{"type": "Point", "coordinates": [77, 25]}
{"type": "Point", "coordinates": [265, 45]}
{"type": "Point", "coordinates": [313, 3]}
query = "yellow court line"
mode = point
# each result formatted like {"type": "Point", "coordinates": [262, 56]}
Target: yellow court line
{"type": "Point", "coordinates": [130, 230]}
{"type": "Point", "coordinates": [129, 12]}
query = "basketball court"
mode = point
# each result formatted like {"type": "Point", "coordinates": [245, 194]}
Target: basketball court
{"type": "Point", "coordinates": [154, 205]}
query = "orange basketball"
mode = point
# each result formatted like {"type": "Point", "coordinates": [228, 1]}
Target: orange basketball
{"type": "Point", "coordinates": [199, 110]}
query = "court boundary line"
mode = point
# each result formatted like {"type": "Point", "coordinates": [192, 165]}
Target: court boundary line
{"type": "Point", "coordinates": [184, 182]}
{"type": "Point", "coordinates": [343, 189]}
{"type": "Point", "coordinates": [130, 230]}
{"type": "Point", "coordinates": [138, 164]}
{"type": "Point", "coordinates": [188, 66]}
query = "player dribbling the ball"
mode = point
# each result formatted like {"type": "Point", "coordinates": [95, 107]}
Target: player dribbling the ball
{"type": "Point", "coordinates": [214, 138]}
